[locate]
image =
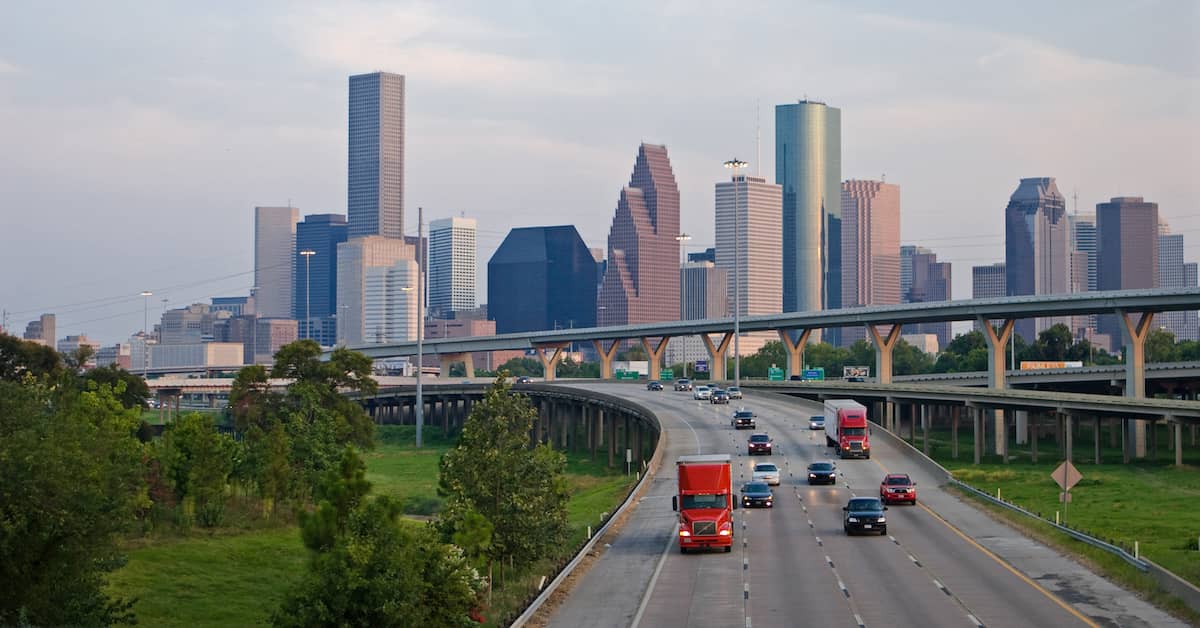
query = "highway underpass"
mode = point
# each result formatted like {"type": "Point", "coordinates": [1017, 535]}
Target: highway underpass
{"type": "Point", "coordinates": [944, 563]}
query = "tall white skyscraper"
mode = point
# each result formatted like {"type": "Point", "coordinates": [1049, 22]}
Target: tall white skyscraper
{"type": "Point", "coordinates": [757, 206]}
{"type": "Point", "coordinates": [274, 246]}
{"type": "Point", "coordinates": [451, 265]}
{"type": "Point", "coordinates": [364, 294]}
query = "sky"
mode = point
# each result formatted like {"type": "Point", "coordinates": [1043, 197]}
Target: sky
{"type": "Point", "coordinates": [136, 138]}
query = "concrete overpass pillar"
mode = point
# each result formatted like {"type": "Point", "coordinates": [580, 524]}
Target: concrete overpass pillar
{"type": "Point", "coordinates": [977, 419]}
{"type": "Point", "coordinates": [1021, 417]}
{"type": "Point", "coordinates": [1135, 371]}
{"type": "Point", "coordinates": [549, 364]}
{"type": "Point", "coordinates": [955, 412]}
{"type": "Point", "coordinates": [716, 355]}
{"type": "Point", "coordinates": [1178, 427]}
{"type": "Point", "coordinates": [883, 351]}
{"type": "Point", "coordinates": [654, 355]}
{"type": "Point", "coordinates": [611, 438]}
{"type": "Point", "coordinates": [997, 340]}
{"type": "Point", "coordinates": [795, 350]}
{"type": "Point", "coordinates": [606, 357]}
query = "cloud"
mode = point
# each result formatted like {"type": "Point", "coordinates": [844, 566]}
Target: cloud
{"type": "Point", "coordinates": [8, 68]}
{"type": "Point", "coordinates": [436, 48]}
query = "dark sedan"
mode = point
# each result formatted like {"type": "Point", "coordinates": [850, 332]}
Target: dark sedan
{"type": "Point", "coordinates": [719, 395]}
{"type": "Point", "coordinates": [822, 473]}
{"type": "Point", "coordinates": [654, 385]}
{"type": "Point", "coordinates": [757, 495]}
{"type": "Point", "coordinates": [865, 514]}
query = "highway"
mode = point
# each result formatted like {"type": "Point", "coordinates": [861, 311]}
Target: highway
{"type": "Point", "coordinates": [942, 564]}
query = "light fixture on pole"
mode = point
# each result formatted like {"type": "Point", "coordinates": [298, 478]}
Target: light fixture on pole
{"type": "Point", "coordinates": [307, 253]}
{"type": "Point", "coordinates": [683, 239]}
{"type": "Point", "coordinates": [146, 294]}
{"type": "Point", "coordinates": [735, 164]}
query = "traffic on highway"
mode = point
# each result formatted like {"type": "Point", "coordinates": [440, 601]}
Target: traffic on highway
{"type": "Point", "coordinates": [820, 529]}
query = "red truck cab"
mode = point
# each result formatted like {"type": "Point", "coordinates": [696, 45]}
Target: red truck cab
{"type": "Point", "coordinates": [705, 502]}
{"type": "Point", "coordinates": [846, 428]}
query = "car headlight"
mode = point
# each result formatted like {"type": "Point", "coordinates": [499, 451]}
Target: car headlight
{"type": "Point", "coordinates": [853, 520]}
{"type": "Point", "coordinates": [684, 533]}
{"type": "Point", "coordinates": [881, 520]}
{"type": "Point", "coordinates": [812, 475]}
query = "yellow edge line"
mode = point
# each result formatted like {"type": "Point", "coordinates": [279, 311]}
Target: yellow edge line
{"type": "Point", "coordinates": [1000, 561]}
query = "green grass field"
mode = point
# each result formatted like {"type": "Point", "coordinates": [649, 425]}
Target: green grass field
{"type": "Point", "coordinates": [237, 577]}
{"type": "Point", "coordinates": [1152, 501]}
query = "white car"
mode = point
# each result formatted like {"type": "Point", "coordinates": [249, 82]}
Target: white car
{"type": "Point", "coordinates": [816, 422]}
{"type": "Point", "coordinates": [702, 393]}
{"type": "Point", "coordinates": [766, 472]}
{"type": "Point", "coordinates": [734, 392]}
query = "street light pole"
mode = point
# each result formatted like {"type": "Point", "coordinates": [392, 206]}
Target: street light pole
{"type": "Point", "coordinates": [682, 239]}
{"type": "Point", "coordinates": [146, 294]}
{"type": "Point", "coordinates": [734, 164]}
{"type": "Point", "coordinates": [307, 293]}
{"type": "Point", "coordinates": [420, 318]}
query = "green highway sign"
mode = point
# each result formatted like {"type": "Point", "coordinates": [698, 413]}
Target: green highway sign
{"type": "Point", "coordinates": [666, 375]}
{"type": "Point", "coordinates": [775, 374]}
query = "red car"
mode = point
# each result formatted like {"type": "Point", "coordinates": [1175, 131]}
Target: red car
{"type": "Point", "coordinates": [898, 487]}
{"type": "Point", "coordinates": [759, 443]}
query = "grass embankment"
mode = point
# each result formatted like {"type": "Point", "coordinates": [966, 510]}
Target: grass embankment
{"type": "Point", "coordinates": [1152, 501]}
{"type": "Point", "coordinates": [238, 577]}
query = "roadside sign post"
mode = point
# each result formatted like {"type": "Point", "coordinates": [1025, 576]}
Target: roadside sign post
{"type": "Point", "coordinates": [1066, 476]}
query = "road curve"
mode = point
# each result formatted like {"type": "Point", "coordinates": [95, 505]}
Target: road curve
{"type": "Point", "coordinates": [943, 563]}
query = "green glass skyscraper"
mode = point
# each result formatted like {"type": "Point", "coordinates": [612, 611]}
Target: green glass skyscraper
{"type": "Point", "coordinates": [808, 164]}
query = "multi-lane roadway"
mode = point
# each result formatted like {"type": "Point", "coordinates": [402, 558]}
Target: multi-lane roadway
{"type": "Point", "coordinates": [942, 563]}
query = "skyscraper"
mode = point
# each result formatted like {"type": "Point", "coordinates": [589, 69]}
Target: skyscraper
{"type": "Point", "coordinates": [931, 281]}
{"type": "Point", "coordinates": [316, 286]}
{"type": "Point", "coordinates": [907, 252]}
{"type": "Point", "coordinates": [759, 243]}
{"type": "Point", "coordinates": [1083, 266]}
{"type": "Point", "coordinates": [451, 266]}
{"type": "Point", "coordinates": [640, 285]}
{"type": "Point", "coordinates": [808, 164]}
{"type": "Point", "coordinates": [274, 246]}
{"type": "Point", "coordinates": [987, 282]}
{"type": "Point", "coordinates": [43, 330]}
{"type": "Point", "coordinates": [1126, 251]}
{"type": "Point", "coordinates": [1037, 248]}
{"type": "Point", "coordinates": [870, 248]}
{"type": "Point", "coordinates": [1173, 273]}
{"type": "Point", "coordinates": [705, 295]}
{"type": "Point", "coordinates": [540, 278]}
{"type": "Point", "coordinates": [375, 186]}
{"type": "Point", "coordinates": [364, 268]}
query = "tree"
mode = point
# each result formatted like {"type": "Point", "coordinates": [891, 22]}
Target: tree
{"type": "Point", "coordinates": [134, 392]}
{"type": "Point", "coordinates": [1054, 343]}
{"type": "Point", "coordinates": [1160, 346]}
{"type": "Point", "coordinates": [197, 460]}
{"type": "Point", "coordinates": [72, 483]}
{"type": "Point", "coordinates": [492, 471]}
{"type": "Point", "coordinates": [20, 357]}
{"type": "Point", "coordinates": [369, 569]}
{"type": "Point", "coordinates": [523, 366]}
{"type": "Point", "coordinates": [321, 385]}
{"type": "Point", "coordinates": [76, 359]}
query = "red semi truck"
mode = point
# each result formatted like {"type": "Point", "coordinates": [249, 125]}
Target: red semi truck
{"type": "Point", "coordinates": [846, 428]}
{"type": "Point", "coordinates": [705, 502]}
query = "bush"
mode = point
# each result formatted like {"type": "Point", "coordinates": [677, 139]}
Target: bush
{"type": "Point", "coordinates": [421, 505]}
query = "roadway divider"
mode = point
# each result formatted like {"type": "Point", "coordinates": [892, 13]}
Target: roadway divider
{"type": "Point", "coordinates": [631, 498]}
{"type": "Point", "coordinates": [1170, 582]}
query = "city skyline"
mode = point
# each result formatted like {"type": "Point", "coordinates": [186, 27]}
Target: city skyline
{"type": "Point", "coordinates": [207, 157]}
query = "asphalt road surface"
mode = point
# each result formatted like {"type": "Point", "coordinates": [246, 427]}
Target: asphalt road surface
{"type": "Point", "coordinates": [942, 563]}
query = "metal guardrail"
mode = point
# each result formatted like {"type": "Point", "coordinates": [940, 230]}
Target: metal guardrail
{"type": "Point", "coordinates": [630, 498]}
{"type": "Point", "coordinates": [1076, 534]}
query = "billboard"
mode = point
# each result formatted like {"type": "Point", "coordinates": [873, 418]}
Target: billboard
{"type": "Point", "coordinates": [856, 373]}
{"type": "Point", "coordinates": [1028, 365]}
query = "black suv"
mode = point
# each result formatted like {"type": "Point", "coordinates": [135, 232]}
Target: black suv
{"type": "Point", "coordinates": [743, 418]}
{"type": "Point", "coordinates": [864, 514]}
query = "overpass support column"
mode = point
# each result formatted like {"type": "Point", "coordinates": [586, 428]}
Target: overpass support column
{"type": "Point", "coordinates": [1135, 372]}
{"type": "Point", "coordinates": [606, 357]}
{"type": "Point", "coordinates": [549, 364]}
{"type": "Point", "coordinates": [611, 438]}
{"type": "Point", "coordinates": [654, 355]}
{"type": "Point", "coordinates": [997, 339]}
{"type": "Point", "coordinates": [976, 436]}
{"type": "Point", "coordinates": [1022, 421]}
{"type": "Point", "coordinates": [883, 351]}
{"type": "Point", "coordinates": [795, 350]}
{"type": "Point", "coordinates": [716, 355]}
{"type": "Point", "coordinates": [956, 411]}
{"type": "Point", "coordinates": [1178, 427]}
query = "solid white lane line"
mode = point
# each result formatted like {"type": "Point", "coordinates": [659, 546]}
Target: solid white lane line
{"type": "Point", "coordinates": [858, 618]}
{"type": "Point", "coordinates": [842, 586]}
{"type": "Point", "coordinates": [978, 624]}
{"type": "Point", "coordinates": [662, 559]}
